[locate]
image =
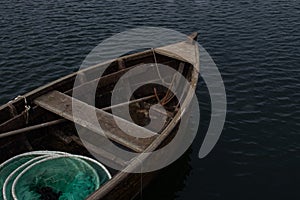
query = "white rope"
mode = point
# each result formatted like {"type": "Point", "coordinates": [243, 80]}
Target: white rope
{"type": "Point", "coordinates": [27, 107]}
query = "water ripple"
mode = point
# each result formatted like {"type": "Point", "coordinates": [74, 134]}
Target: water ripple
{"type": "Point", "coordinates": [255, 44]}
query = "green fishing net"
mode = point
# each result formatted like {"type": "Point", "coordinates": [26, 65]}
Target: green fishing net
{"type": "Point", "coordinates": [8, 167]}
{"type": "Point", "coordinates": [7, 195]}
{"type": "Point", "coordinates": [51, 176]}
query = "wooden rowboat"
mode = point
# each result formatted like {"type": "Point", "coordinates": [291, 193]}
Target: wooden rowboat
{"type": "Point", "coordinates": [43, 120]}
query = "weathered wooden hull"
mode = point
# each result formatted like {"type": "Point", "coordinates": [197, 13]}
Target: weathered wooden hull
{"type": "Point", "coordinates": [24, 119]}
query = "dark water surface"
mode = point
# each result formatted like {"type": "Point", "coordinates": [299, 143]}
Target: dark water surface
{"type": "Point", "coordinates": [256, 46]}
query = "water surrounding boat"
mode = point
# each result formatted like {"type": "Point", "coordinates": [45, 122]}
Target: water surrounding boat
{"type": "Point", "coordinates": [256, 46]}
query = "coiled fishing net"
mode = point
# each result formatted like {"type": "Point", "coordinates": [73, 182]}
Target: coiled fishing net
{"type": "Point", "coordinates": [7, 186]}
{"type": "Point", "coordinates": [51, 176]}
{"type": "Point", "coordinates": [9, 167]}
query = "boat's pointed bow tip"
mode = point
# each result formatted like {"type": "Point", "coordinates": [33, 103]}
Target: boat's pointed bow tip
{"type": "Point", "coordinates": [193, 36]}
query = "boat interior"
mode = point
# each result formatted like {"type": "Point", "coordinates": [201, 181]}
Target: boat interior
{"type": "Point", "coordinates": [53, 103]}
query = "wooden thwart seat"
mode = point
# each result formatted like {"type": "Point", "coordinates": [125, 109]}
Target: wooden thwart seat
{"type": "Point", "coordinates": [61, 104]}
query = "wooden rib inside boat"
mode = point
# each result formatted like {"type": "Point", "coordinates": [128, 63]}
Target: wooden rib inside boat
{"type": "Point", "coordinates": [42, 119]}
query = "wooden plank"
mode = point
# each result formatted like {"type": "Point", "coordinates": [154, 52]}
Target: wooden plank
{"type": "Point", "coordinates": [61, 105]}
{"type": "Point", "coordinates": [101, 82]}
{"type": "Point", "coordinates": [181, 51]}
{"type": "Point", "coordinates": [18, 121]}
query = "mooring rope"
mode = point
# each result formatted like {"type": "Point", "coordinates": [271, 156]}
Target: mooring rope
{"type": "Point", "coordinates": [27, 107]}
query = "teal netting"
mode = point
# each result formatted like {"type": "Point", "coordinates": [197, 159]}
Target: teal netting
{"type": "Point", "coordinates": [7, 193]}
{"type": "Point", "coordinates": [51, 176]}
{"type": "Point", "coordinates": [9, 166]}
